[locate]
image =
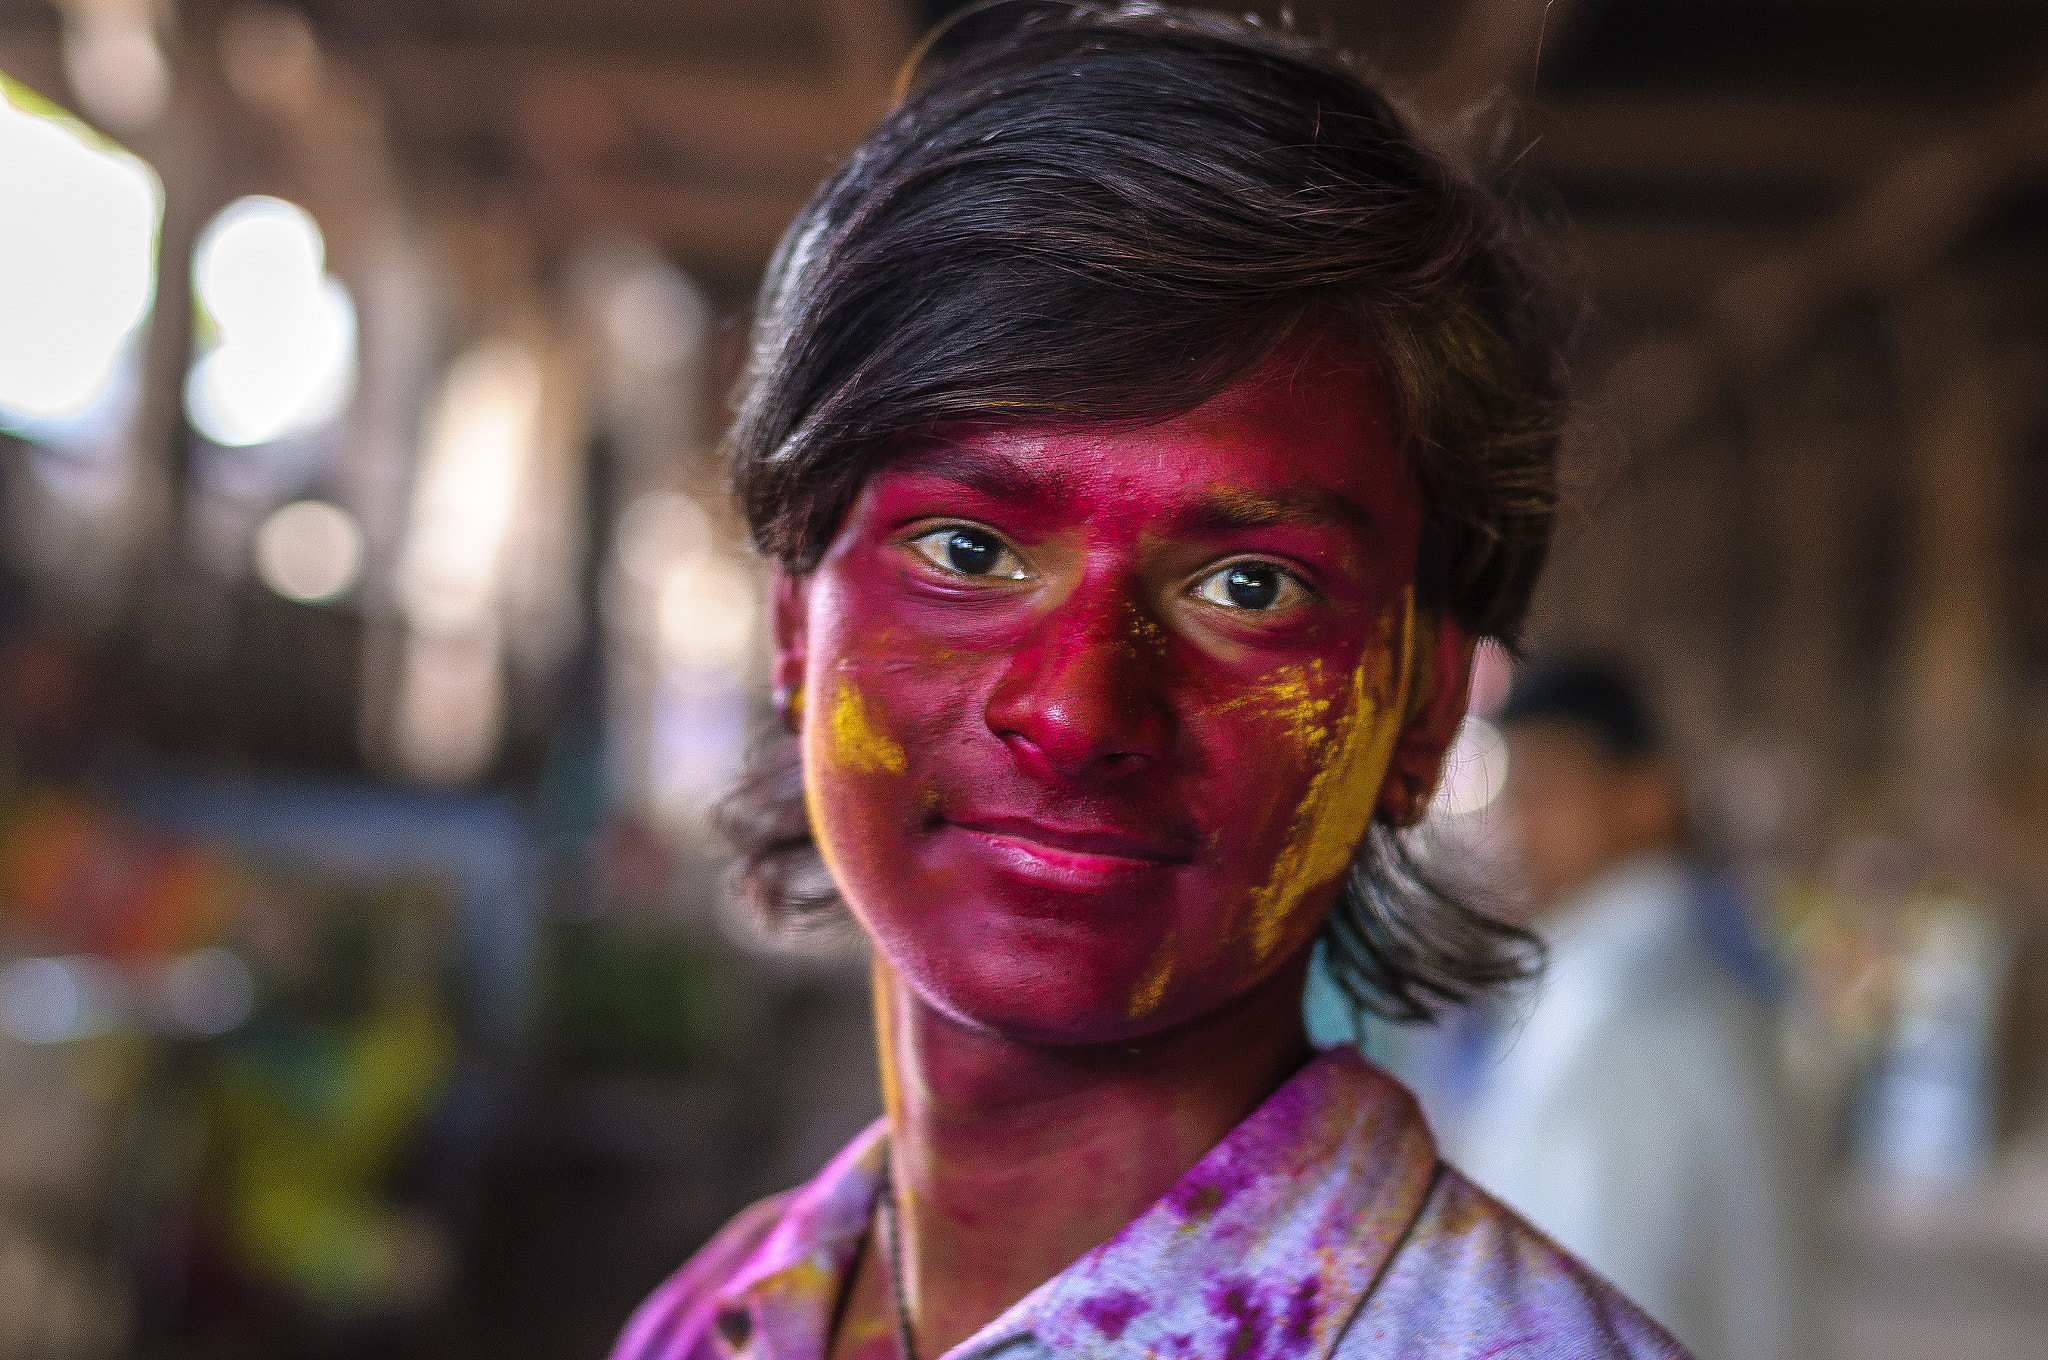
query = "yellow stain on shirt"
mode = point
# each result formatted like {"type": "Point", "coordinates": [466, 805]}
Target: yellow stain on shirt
{"type": "Point", "coordinates": [1352, 749]}
{"type": "Point", "coordinates": [858, 743]}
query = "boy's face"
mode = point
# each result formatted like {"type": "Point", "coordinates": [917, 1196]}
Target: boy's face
{"type": "Point", "coordinates": [1095, 716]}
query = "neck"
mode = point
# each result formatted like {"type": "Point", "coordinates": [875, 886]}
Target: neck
{"type": "Point", "coordinates": [1011, 1160]}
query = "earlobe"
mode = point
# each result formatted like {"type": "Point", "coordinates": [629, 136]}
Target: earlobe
{"type": "Point", "coordinates": [1419, 754]}
{"type": "Point", "coordinates": [792, 598]}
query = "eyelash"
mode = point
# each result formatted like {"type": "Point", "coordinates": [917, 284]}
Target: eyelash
{"type": "Point", "coordinates": [1288, 579]}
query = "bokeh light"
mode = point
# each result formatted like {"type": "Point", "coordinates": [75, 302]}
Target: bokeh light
{"type": "Point", "coordinates": [285, 360]}
{"type": "Point", "coordinates": [114, 63]}
{"type": "Point", "coordinates": [309, 551]}
{"type": "Point", "coordinates": [1475, 770]}
{"type": "Point", "coordinates": [657, 531]}
{"type": "Point", "coordinates": [52, 1001]}
{"type": "Point", "coordinates": [472, 470]}
{"type": "Point", "coordinates": [78, 233]}
{"type": "Point", "coordinates": [469, 478]}
{"type": "Point", "coordinates": [208, 991]}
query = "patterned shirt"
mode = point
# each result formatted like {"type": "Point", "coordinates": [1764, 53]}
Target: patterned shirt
{"type": "Point", "coordinates": [1323, 1227]}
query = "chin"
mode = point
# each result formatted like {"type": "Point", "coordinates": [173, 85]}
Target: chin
{"type": "Point", "coordinates": [1060, 983]}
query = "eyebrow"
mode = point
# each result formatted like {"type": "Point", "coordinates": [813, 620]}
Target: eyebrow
{"type": "Point", "coordinates": [1221, 511]}
{"type": "Point", "coordinates": [1225, 510]}
{"type": "Point", "coordinates": [996, 478]}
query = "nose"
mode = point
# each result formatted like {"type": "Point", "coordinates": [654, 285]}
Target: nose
{"type": "Point", "coordinates": [1083, 699]}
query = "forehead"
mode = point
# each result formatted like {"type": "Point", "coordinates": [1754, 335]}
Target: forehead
{"type": "Point", "coordinates": [1307, 435]}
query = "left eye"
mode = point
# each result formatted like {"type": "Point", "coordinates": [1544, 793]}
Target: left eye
{"type": "Point", "coordinates": [1257, 586]}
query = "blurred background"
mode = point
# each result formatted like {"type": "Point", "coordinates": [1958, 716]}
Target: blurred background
{"type": "Point", "coordinates": [374, 631]}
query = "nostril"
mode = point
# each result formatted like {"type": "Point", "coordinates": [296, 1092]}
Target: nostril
{"type": "Point", "coordinates": [1054, 760]}
{"type": "Point", "coordinates": [735, 1328]}
{"type": "Point", "coordinates": [1030, 755]}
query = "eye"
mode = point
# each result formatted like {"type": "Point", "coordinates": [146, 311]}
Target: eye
{"type": "Point", "coordinates": [1258, 586]}
{"type": "Point", "coordinates": [970, 552]}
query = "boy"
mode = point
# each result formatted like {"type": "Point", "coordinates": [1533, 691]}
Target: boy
{"type": "Point", "coordinates": [1145, 425]}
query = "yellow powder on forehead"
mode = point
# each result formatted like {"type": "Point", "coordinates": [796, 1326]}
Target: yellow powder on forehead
{"type": "Point", "coordinates": [1352, 749]}
{"type": "Point", "coordinates": [858, 742]}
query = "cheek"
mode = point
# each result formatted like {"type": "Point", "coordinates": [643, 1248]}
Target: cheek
{"type": "Point", "coordinates": [1345, 742]}
{"type": "Point", "coordinates": [856, 777]}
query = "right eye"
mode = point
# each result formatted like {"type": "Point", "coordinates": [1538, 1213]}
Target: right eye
{"type": "Point", "coordinates": [970, 552]}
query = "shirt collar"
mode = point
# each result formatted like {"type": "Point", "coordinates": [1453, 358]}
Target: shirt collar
{"type": "Point", "coordinates": [1268, 1245]}
{"type": "Point", "coordinates": [784, 1293]}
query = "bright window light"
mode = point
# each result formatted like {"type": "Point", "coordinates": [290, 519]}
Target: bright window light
{"type": "Point", "coordinates": [478, 441]}
{"type": "Point", "coordinates": [78, 231]}
{"type": "Point", "coordinates": [285, 360]}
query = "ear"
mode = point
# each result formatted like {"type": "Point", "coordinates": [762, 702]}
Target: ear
{"type": "Point", "coordinates": [1419, 754]}
{"type": "Point", "coordinates": [792, 615]}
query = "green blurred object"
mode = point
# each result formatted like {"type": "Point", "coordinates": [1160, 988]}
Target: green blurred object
{"type": "Point", "coordinates": [627, 998]}
{"type": "Point", "coordinates": [314, 1106]}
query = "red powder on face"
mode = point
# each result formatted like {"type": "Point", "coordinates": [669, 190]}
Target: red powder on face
{"type": "Point", "coordinates": [1076, 696]}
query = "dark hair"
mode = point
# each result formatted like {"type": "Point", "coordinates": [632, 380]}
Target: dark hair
{"type": "Point", "coordinates": [1594, 696]}
{"type": "Point", "coordinates": [1114, 212]}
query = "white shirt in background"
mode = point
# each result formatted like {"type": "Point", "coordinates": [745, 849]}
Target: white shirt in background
{"type": "Point", "coordinates": [1628, 1111]}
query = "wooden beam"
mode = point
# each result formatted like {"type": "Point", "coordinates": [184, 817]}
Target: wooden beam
{"type": "Point", "coordinates": [1726, 136]}
{"type": "Point", "coordinates": [1896, 230]}
{"type": "Point", "coordinates": [738, 125]}
{"type": "Point", "coordinates": [710, 163]}
{"type": "Point", "coordinates": [1679, 263]}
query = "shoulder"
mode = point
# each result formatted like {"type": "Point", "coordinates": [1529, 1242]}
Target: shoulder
{"type": "Point", "coordinates": [675, 1320]}
{"type": "Point", "coordinates": [1472, 1280]}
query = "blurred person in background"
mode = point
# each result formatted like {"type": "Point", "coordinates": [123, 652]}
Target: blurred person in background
{"type": "Point", "coordinates": [1627, 1105]}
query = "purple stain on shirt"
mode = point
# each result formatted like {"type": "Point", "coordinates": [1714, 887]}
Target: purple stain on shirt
{"type": "Point", "coordinates": [1304, 1310]}
{"type": "Point", "coordinates": [1236, 1302]}
{"type": "Point", "coordinates": [1111, 1312]}
{"type": "Point", "coordinates": [1206, 1189]}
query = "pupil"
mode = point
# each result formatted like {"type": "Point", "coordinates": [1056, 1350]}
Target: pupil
{"type": "Point", "coordinates": [1253, 587]}
{"type": "Point", "coordinates": [970, 555]}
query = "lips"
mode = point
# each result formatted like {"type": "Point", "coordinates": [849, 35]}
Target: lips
{"type": "Point", "coordinates": [1082, 851]}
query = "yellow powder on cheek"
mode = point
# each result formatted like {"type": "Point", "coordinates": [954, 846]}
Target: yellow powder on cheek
{"type": "Point", "coordinates": [806, 1284]}
{"type": "Point", "coordinates": [858, 743]}
{"type": "Point", "coordinates": [843, 739]}
{"type": "Point", "coordinates": [1352, 749]}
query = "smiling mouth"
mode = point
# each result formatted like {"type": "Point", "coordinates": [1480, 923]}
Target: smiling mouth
{"type": "Point", "coordinates": [1087, 851]}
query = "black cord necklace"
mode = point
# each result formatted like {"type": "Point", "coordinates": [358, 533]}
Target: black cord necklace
{"type": "Point", "coordinates": [892, 1258]}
